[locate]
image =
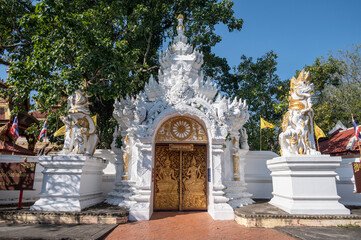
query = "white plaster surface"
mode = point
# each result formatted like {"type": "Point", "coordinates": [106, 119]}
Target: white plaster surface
{"type": "Point", "coordinates": [257, 175]}
{"type": "Point", "coordinates": [306, 184]}
{"type": "Point", "coordinates": [70, 183]}
{"type": "Point", "coordinates": [345, 182]}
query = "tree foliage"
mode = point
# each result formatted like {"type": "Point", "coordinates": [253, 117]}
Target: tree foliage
{"type": "Point", "coordinates": [339, 96]}
{"type": "Point", "coordinates": [107, 47]}
{"type": "Point", "coordinates": [258, 83]}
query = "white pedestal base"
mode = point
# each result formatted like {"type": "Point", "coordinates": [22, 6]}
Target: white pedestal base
{"type": "Point", "coordinates": [121, 196]}
{"type": "Point", "coordinates": [219, 209]}
{"type": "Point", "coordinates": [70, 183]}
{"type": "Point", "coordinates": [305, 184]}
{"type": "Point", "coordinates": [222, 212]}
{"type": "Point", "coordinates": [140, 212]}
{"type": "Point", "coordinates": [237, 194]}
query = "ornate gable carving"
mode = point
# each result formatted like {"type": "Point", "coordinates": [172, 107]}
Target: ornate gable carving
{"type": "Point", "coordinates": [180, 87]}
{"type": "Point", "coordinates": [181, 129]}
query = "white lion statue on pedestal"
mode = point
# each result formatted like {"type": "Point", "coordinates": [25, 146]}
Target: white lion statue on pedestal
{"type": "Point", "coordinates": [80, 136]}
{"type": "Point", "coordinates": [298, 131]}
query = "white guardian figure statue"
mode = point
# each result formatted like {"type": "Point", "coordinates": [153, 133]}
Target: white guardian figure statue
{"type": "Point", "coordinates": [303, 180]}
{"type": "Point", "coordinates": [72, 178]}
{"type": "Point", "coordinates": [297, 126]}
{"type": "Point", "coordinates": [80, 135]}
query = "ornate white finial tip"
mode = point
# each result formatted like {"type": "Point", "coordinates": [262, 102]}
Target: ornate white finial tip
{"type": "Point", "coordinates": [180, 26]}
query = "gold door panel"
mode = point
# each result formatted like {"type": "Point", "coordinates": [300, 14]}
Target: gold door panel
{"type": "Point", "coordinates": [180, 178]}
{"type": "Point", "coordinates": [195, 179]}
{"type": "Point", "coordinates": [166, 186]}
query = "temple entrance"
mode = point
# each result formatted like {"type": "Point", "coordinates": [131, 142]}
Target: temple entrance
{"type": "Point", "coordinates": [180, 177]}
{"type": "Point", "coordinates": [180, 169]}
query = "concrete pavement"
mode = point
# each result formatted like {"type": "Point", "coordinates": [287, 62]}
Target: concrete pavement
{"type": "Point", "coordinates": [52, 232]}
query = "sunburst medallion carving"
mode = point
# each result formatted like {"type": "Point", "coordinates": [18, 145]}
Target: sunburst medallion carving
{"type": "Point", "coordinates": [181, 129]}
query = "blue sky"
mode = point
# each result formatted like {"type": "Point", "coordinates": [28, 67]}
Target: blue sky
{"type": "Point", "coordinates": [298, 31]}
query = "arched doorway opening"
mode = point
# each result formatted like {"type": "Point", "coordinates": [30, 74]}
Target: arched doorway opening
{"type": "Point", "coordinates": [180, 167]}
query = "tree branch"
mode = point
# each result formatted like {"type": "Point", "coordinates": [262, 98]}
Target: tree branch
{"type": "Point", "coordinates": [2, 61]}
{"type": "Point", "coordinates": [150, 68]}
{"type": "Point", "coordinates": [97, 72]}
{"type": "Point", "coordinates": [148, 48]}
{"type": "Point", "coordinates": [15, 45]}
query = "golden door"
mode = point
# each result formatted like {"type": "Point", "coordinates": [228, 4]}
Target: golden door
{"type": "Point", "coordinates": [180, 178]}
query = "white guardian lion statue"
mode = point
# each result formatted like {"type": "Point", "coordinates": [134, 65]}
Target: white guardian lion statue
{"type": "Point", "coordinates": [80, 135]}
{"type": "Point", "coordinates": [297, 137]}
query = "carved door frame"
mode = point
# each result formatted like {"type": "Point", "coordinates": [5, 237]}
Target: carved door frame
{"type": "Point", "coordinates": [194, 134]}
{"type": "Point", "coordinates": [180, 178]}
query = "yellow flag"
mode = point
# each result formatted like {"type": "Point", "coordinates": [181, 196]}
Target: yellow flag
{"type": "Point", "coordinates": [318, 132]}
{"type": "Point", "coordinates": [61, 131]}
{"type": "Point", "coordinates": [265, 124]}
{"type": "Point", "coordinates": [95, 120]}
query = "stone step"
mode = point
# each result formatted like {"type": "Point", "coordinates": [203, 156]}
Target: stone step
{"type": "Point", "coordinates": [99, 214]}
{"type": "Point", "coordinates": [266, 215]}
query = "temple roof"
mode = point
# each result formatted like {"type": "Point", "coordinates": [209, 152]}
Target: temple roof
{"type": "Point", "coordinates": [341, 143]}
{"type": "Point", "coordinates": [7, 148]}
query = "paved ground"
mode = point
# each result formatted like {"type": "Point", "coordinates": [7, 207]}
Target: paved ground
{"type": "Point", "coordinates": [190, 225]}
{"type": "Point", "coordinates": [175, 225]}
{"type": "Point", "coordinates": [322, 233]}
{"type": "Point", "coordinates": [49, 231]}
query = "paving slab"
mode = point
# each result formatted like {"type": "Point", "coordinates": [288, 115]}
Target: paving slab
{"type": "Point", "coordinates": [322, 233]}
{"type": "Point", "coordinates": [54, 232]}
{"type": "Point", "coordinates": [190, 225]}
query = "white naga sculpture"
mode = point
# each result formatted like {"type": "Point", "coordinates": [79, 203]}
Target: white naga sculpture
{"type": "Point", "coordinates": [298, 132]}
{"type": "Point", "coordinates": [80, 136]}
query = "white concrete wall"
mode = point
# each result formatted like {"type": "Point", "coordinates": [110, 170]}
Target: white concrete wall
{"type": "Point", "coordinates": [109, 171]}
{"type": "Point", "coordinates": [345, 183]}
{"type": "Point", "coordinates": [258, 178]}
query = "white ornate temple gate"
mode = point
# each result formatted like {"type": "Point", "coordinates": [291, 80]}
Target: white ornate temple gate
{"type": "Point", "coordinates": [180, 108]}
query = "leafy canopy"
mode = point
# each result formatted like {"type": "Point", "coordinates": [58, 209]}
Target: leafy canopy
{"type": "Point", "coordinates": [258, 83]}
{"type": "Point", "coordinates": [107, 47]}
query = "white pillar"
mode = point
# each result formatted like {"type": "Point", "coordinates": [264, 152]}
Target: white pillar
{"type": "Point", "coordinates": [219, 209]}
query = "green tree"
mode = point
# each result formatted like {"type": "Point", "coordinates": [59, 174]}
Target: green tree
{"type": "Point", "coordinates": [109, 48]}
{"type": "Point", "coordinates": [337, 83]}
{"type": "Point", "coordinates": [14, 39]}
{"type": "Point", "coordinates": [258, 83]}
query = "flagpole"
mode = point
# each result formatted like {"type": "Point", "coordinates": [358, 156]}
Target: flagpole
{"type": "Point", "coordinates": [46, 132]}
{"type": "Point", "coordinates": [13, 153]}
{"type": "Point", "coordinates": [260, 132]}
{"type": "Point", "coordinates": [14, 146]}
{"type": "Point", "coordinates": [358, 142]}
{"type": "Point", "coordinates": [318, 145]}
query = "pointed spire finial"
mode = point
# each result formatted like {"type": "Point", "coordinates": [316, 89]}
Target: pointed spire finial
{"type": "Point", "coordinates": [180, 26]}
